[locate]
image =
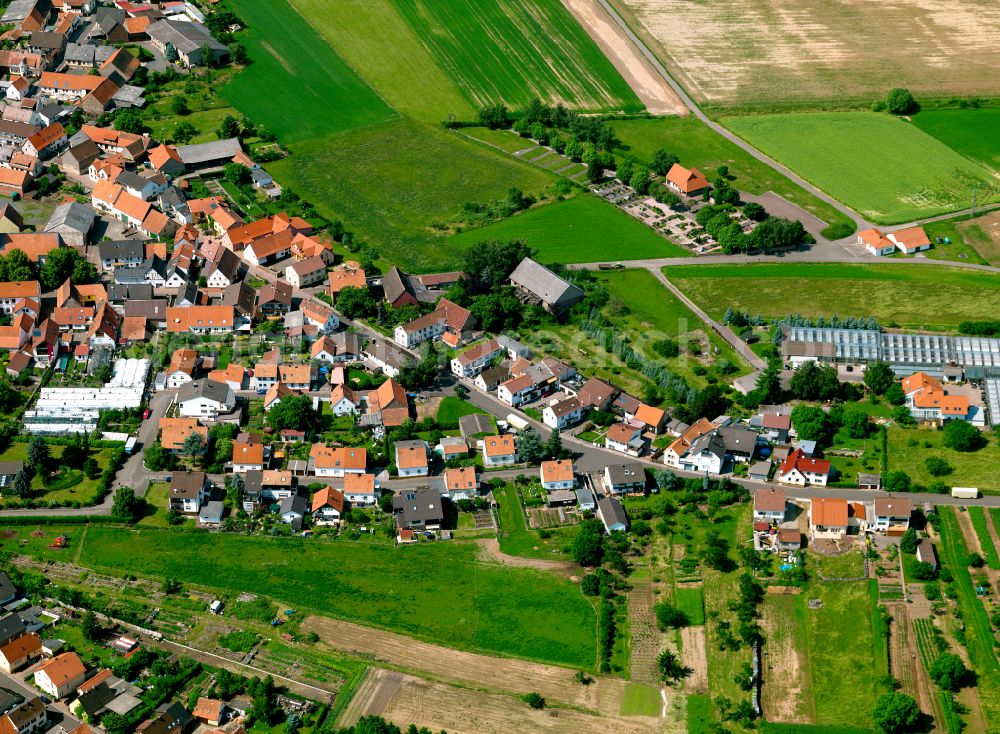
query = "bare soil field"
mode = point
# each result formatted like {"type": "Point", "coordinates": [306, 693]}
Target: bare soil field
{"type": "Point", "coordinates": [648, 86]}
{"type": "Point", "coordinates": [462, 711]}
{"type": "Point", "coordinates": [694, 655]}
{"type": "Point", "coordinates": [372, 696]}
{"type": "Point", "coordinates": [983, 233]}
{"type": "Point", "coordinates": [468, 669]}
{"type": "Point", "coordinates": [756, 54]}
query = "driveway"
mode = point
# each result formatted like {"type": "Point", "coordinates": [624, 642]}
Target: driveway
{"type": "Point", "coordinates": [135, 474]}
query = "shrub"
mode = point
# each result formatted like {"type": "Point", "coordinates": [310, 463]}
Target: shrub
{"type": "Point", "coordinates": [670, 617]}
{"type": "Point", "coordinates": [533, 699]}
{"type": "Point", "coordinates": [937, 467]}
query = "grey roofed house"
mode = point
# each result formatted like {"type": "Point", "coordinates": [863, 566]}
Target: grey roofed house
{"type": "Point", "coordinates": [346, 342]}
{"type": "Point", "coordinates": [80, 53]}
{"type": "Point", "coordinates": [11, 627]}
{"type": "Point", "coordinates": [172, 201]}
{"type": "Point", "coordinates": [493, 376]}
{"type": "Point", "coordinates": [544, 286]}
{"type": "Point", "coordinates": [561, 497]}
{"type": "Point", "coordinates": [220, 392]}
{"type": "Point", "coordinates": [585, 498]}
{"type": "Point", "coordinates": [926, 552]}
{"type": "Point", "coordinates": [293, 509]}
{"type": "Point", "coordinates": [759, 470]}
{"type": "Point", "coordinates": [623, 475]}
{"type": "Point", "coordinates": [226, 262]}
{"type": "Point", "coordinates": [129, 95]}
{"type": "Point", "coordinates": [7, 590]}
{"type": "Point", "coordinates": [740, 442]}
{"type": "Point", "coordinates": [73, 222]}
{"type": "Point", "coordinates": [253, 483]}
{"type": "Point", "coordinates": [116, 250]}
{"type": "Point", "coordinates": [869, 481]}
{"type": "Point", "coordinates": [7, 211]}
{"type": "Point", "coordinates": [19, 131]}
{"type": "Point", "coordinates": [105, 19]}
{"type": "Point", "coordinates": [214, 152]}
{"type": "Point", "coordinates": [130, 179]}
{"type": "Point", "coordinates": [123, 704]}
{"type": "Point", "coordinates": [211, 512]}
{"type": "Point", "coordinates": [151, 309]}
{"type": "Point", "coordinates": [710, 443]}
{"type": "Point", "coordinates": [187, 37]}
{"type": "Point", "coordinates": [79, 156]}
{"type": "Point", "coordinates": [417, 508]}
{"type": "Point", "coordinates": [471, 425]}
{"type": "Point", "coordinates": [240, 296]}
{"type": "Point", "coordinates": [176, 714]}
{"type": "Point", "coordinates": [612, 514]}
{"type": "Point", "coordinates": [7, 471]}
{"type": "Point", "coordinates": [18, 10]}
{"type": "Point", "coordinates": [187, 295]}
{"type": "Point", "coordinates": [46, 41]}
{"type": "Point", "coordinates": [187, 485]}
{"type": "Point", "coordinates": [95, 700]}
{"type": "Point", "coordinates": [126, 293]}
{"type": "Point", "coordinates": [384, 352]}
{"type": "Point", "coordinates": [396, 286]}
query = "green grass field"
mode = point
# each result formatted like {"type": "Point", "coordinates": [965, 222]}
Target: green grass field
{"type": "Point", "coordinates": [505, 140]}
{"type": "Point", "coordinates": [909, 295]}
{"type": "Point", "coordinates": [978, 517]}
{"type": "Point", "coordinates": [974, 132]}
{"type": "Point", "coordinates": [883, 167]}
{"type": "Point", "coordinates": [699, 146]}
{"type": "Point", "coordinates": [513, 50]}
{"type": "Point", "coordinates": [395, 60]}
{"type": "Point", "coordinates": [390, 182]}
{"type": "Point", "coordinates": [700, 714]}
{"type": "Point", "coordinates": [910, 447]}
{"type": "Point", "coordinates": [439, 592]}
{"type": "Point", "coordinates": [641, 700]}
{"type": "Point", "coordinates": [297, 86]}
{"type": "Point", "coordinates": [581, 229]}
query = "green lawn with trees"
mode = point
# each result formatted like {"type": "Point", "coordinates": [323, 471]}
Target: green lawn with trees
{"type": "Point", "coordinates": [438, 592]}
{"type": "Point", "coordinates": [917, 175]}
{"type": "Point", "coordinates": [697, 145]}
{"type": "Point", "coordinates": [905, 295]}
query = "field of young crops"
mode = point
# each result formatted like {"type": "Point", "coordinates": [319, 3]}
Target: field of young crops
{"type": "Point", "coordinates": [513, 50]}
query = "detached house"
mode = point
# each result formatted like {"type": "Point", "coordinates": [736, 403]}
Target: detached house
{"type": "Point", "coordinates": [928, 400]}
{"type": "Point", "coordinates": [499, 450]}
{"type": "Point", "coordinates": [188, 491]}
{"type": "Point", "coordinates": [686, 181]}
{"type": "Point", "coordinates": [800, 470]}
{"type": "Point", "coordinates": [892, 515]}
{"type": "Point", "coordinates": [557, 474]}
{"type": "Point", "coordinates": [306, 273]}
{"type": "Point", "coordinates": [828, 518]}
{"type": "Point", "coordinates": [625, 438]}
{"type": "Point", "coordinates": [183, 363]}
{"type": "Point", "coordinates": [769, 506]}
{"type": "Point", "coordinates": [361, 489]}
{"type": "Point", "coordinates": [411, 458]}
{"type": "Point", "coordinates": [328, 506]}
{"type": "Point", "coordinates": [418, 509]}
{"type": "Point", "coordinates": [61, 675]}
{"type": "Point", "coordinates": [461, 483]}
{"type": "Point", "coordinates": [624, 478]}
{"type": "Point", "coordinates": [329, 462]}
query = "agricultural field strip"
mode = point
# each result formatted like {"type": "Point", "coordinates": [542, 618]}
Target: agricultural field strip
{"type": "Point", "coordinates": [978, 517]}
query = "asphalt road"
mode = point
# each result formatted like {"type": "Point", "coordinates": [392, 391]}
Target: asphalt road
{"type": "Point", "coordinates": [59, 713]}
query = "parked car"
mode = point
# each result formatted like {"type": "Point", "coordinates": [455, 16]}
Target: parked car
{"type": "Point", "coordinates": [146, 413]}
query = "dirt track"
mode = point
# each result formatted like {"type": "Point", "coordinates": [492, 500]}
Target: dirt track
{"type": "Point", "coordinates": [694, 655]}
{"type": "Point", "coordinates": [648, 86]}
{"type": "Point", "coordinates": [468, 669]}
{"type": "Point", "coordinates": [492, 547]}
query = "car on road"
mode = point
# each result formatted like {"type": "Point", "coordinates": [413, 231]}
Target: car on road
{"type": "Point", "coordinates": [146, 413]}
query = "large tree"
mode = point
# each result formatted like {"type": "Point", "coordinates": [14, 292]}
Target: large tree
{"type": "Point", "coordinates": [962, 436]}
{"type": "Point", "coordinates": [356, 303]}
{"type": "Point", "coordinates": [815, 381]}
{"type": "Point", "coordinates": [530, 447]}
{"type": "Point", "coordinates": [896, 713]}
{"type": "Point", "coordinates": [294, 412]}
{"type": "Point", "coordinates": [588, 546]}
{"type": "Point", "coordinates": [490, 263]}
{"type": "Point", "coordinates": [948, 671]}
{"type": "Point", "coordinates": [62, 263]}
{"type": "Point", "coordinates": [899, 101]}
{"type": "Point", "coordinates": [878, 377]}
{"type": "Point", "coordinates": [126, 505]}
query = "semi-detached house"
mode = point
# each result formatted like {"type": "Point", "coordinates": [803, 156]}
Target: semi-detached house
{"type": "Point", "coordinates": [474, 360]}
{"type": "Point", "coordinates": [563, 414]}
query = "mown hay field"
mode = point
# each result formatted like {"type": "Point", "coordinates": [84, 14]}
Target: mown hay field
{"type": "Point", "coordinates": [883, 167]}
{"type": "Point", "coordinates": [782, 52]}
{"type": "Point", "coordinates": [513, 50]}
{"type": "Point", "coordinates": [914, 296]}
{"type": "Point", "coordinates": [389, 183]}
{"type": "Point", "coordinates": [439, 592]}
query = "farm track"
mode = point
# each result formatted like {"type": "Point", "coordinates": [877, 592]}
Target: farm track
{"type": "Point", "coordinates": [467, 669]}
{"type": "Point", "coordinates": [491, 546]}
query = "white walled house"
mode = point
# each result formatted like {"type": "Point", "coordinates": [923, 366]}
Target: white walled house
{"type": "Point", "coordinates": [563, 414]}
{"type": "Point", "coordinates": [411, 458]}
{"type": "Point", "coordinates": [557, 474]}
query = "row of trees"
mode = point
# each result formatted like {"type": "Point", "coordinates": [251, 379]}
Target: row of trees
{"type": "Point", "coordinates": [60, 264]}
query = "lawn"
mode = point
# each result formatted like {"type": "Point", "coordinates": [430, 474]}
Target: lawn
{"type": "Point", "coordinates": [297, 86]}
{"type": "Point", "coordinates": [517, 540]}
{"type": "Point", "coordinates": [883, 167]}
{"type": "Point", "coordinates": [698, 145]}
{"type": "Point", "coordinates": [156, 507]}
{"type": "Point", "coordinates": [395, 60]}
{"type": "Point", "coordinates": [641, 700]}
{"type": "Point", "coordinates": [390, 183]}
{"type": "Point", "coordinates": [978, 517]}
{"type": "Point", "coordinates": [439, 592]}
{"type": "Point", "coordinates": [581, 229]}
{"type": "Point", "coordinates": [913, 296]}
{"type": "Point", "coordinates": [967, 242]}
{"type": "Point", "coordinates": [979, 639]}
{"type": "Point", "coordinates": [972, 132]}
{"type": "Point", "coordinates": [451, 409]}
{"type": "Point", "coordinates": [511, 51]}
{"type": "Point", "coordinates": [700, 714]}
{"type": "Point", "coordinates": [848, 565]}
{"type": "Point", "coordinates": [691, 601]}
{"type": "Point", "coordinates": [908, 450]}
